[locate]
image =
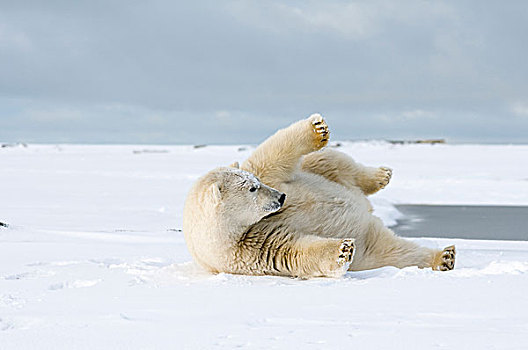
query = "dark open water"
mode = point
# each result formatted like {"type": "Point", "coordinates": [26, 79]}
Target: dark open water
{"type": "Point", "coordinates": [459, 221]}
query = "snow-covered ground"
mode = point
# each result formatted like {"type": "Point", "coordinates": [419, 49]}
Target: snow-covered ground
{"type": "Point", "coordinates": [93, 258]}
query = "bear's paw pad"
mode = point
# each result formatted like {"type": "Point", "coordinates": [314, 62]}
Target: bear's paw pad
{"type": "Point", "coordinates": [383, 176]}
{"type": "Point", "coordinates": [445, 260]}
{"type": "Point", "coordinates": [320, 130]}
{"type": "Point", "coordinates": [346, 252]}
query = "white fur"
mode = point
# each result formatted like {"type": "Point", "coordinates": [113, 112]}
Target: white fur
{"type": "Point", "coordinates": [230, 227]}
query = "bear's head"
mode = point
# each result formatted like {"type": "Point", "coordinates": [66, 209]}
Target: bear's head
{"type": "Point", "coordinates": [219, 208]}
{"type": "Point", "coordinates": [239, 198]}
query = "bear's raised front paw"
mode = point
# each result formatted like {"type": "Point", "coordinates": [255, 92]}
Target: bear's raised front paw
{"type": "Point", "coordinates": [321, 134]}
{"type": "Point", "coordinates": [346, 252]}
{"type": "Point", "coordinates": [445, 260]}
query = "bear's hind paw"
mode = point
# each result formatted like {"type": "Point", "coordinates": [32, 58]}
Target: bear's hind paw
{"type": "Point", "coordinates": [445, 260]}
{"type": "Point", "coordinates": [377, 179]}
{"type": "Point", "coordinates": [383, 176]}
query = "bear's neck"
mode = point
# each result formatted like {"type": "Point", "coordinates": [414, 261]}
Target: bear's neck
{"type": "Point", "coordinates": [232, 231]}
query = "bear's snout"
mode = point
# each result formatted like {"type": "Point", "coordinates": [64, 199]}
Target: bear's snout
{"type": "Point", "coordinates": [282, 199]}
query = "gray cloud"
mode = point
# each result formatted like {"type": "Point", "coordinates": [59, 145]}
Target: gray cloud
{"type": "Point", "coordinates": [233, 71]}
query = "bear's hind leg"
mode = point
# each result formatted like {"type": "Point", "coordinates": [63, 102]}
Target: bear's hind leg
{"type": "Point", "coordinates": [381, 247]}
{"type": "Point", "coordinates": [445, 259]}
{"type": "Point", "coordinates": [339, 167]}
{"type": "Point", "coordinates": [372, 179]}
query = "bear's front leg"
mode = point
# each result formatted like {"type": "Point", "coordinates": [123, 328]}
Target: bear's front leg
{"type": "Point", "coordinates": [319, 135]}
{"type": "Point", "coordinates": [276, 159]}
{"type": "Point", "coordinates": [324, 257]}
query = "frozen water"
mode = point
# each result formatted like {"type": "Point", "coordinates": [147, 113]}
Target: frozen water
{"type": "Point", "coordinates": [93, 258]}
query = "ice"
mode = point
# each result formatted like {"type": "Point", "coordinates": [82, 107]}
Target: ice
{"type": "Point", "coordinates": [93, 257]}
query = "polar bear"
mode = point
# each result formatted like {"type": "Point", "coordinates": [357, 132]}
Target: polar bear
{"type": "Point", "coordinates": [295, 208]}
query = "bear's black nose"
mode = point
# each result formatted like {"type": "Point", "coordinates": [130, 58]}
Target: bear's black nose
{"type": "Point", "coordinates": [282, 198]}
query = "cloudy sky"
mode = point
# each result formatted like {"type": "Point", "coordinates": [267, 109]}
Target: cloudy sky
{"type": "Point", "coordinates": [168, 71]}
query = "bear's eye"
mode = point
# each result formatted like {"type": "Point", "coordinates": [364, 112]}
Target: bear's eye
{"type": "Point", "coordinates": [252, 189]}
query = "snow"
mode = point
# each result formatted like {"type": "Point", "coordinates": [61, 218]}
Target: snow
{"type": "Point", "coordinates": [93, 258]}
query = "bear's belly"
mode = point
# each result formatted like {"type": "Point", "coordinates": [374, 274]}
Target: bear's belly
{"type": "Point", "coordinates": [317, 206]}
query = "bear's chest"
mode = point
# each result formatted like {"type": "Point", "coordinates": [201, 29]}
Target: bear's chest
{"type": "Point", "coordinates": [315, 205]}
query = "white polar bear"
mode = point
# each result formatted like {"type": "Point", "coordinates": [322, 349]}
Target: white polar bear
{"type": "Point", "coordinates": [295, 210]}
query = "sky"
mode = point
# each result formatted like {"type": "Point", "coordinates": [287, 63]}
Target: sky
{"type": "Point", "coordinates": [220, 72]}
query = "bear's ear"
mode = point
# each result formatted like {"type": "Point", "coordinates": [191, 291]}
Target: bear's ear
{"type": "Point", "coordinates": [235, 165]}
{"type": "Point", "coordinates": [214, 192]}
